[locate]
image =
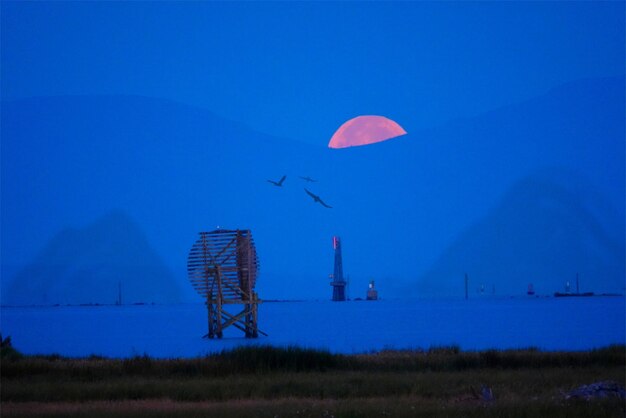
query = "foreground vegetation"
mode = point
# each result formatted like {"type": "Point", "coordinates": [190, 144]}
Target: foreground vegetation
{"type": "Point", "coordinates": [270, 381]}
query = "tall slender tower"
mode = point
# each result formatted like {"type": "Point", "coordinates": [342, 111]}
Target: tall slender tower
{"type": "Point", "coordinates": [338, 283]}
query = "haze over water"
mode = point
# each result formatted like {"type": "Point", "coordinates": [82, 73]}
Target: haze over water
{"type": "Point", "coordinates": [342, 327]}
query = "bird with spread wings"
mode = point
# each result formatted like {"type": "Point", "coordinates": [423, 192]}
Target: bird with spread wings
{"type": "Point", "coordinates": [317, 199]}
{"type": "Point", "coordinates": [278, 183]}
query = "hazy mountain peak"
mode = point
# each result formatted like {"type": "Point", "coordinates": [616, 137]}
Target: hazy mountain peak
{"type": "Point", "coordinates": [542, 233]}
{"type": "Point", "coordinates": [183, 169]}
{"type": "Point", "coordinates": [86, 265]}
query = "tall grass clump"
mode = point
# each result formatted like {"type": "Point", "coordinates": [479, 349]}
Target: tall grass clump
{"type": "Point", "coordinates": [259, 359]}
{"type": "Point", "coordinates": [269, 359]}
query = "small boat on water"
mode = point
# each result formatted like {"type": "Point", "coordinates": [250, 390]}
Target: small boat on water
{"type": "Point", "coordinates": [531, 290]}
{"type": "Point", "coordinates": [568, 293]}
{"type": "Point", "coordinates": [562, 294]}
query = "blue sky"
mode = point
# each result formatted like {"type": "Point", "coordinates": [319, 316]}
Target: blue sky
{"type": "Point", "coordinates": [300, 69]}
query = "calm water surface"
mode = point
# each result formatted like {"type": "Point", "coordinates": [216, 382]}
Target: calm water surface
{"type": "Point", "coordinates": [349, 327]}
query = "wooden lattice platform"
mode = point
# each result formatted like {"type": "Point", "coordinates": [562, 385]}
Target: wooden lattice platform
{"type": "Point", "coordinates": [223, 266]}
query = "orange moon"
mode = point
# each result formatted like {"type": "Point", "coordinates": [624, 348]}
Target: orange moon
{"type": "Point", "coordinates": [364, 130]}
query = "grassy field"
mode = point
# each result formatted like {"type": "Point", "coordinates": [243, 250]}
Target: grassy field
{"type": "Point", "coordinates": [293, 382]}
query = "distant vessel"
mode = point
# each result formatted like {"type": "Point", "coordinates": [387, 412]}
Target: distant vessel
{"type": "Point", "coordinates": [560, 294]}
{"type": "Point", "coordinates": [372, 294]}
{"type": "Point", "coordinates": [531, 290]}
{"type": "Point", "coordinates": [568, 293]}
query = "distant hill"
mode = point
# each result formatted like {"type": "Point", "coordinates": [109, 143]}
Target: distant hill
{"type": "Point", "coordinates": [176, 169]}
{"type": "Point", "coordinates": [541, 233]}
{"type": "Point", "coordinates": [397, 205]}
{"type": "Point", "coordinates": [87, 265]}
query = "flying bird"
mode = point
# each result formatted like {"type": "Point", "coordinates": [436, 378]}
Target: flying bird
{"type": "Point", "coordinates": [279, 183]}
{"type": "Point", "coordinates": [317, 199]}
{"type": "Point", "coordinates": [308, 179]}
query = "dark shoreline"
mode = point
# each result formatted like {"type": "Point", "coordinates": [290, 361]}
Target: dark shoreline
{"type": "Point", "coordinates": [267, 357]}
{"type": "Point", "coordinates": [297, 382]}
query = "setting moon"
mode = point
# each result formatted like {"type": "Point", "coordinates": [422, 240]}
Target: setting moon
{"type": "Point", "coordinates": [365, 130]}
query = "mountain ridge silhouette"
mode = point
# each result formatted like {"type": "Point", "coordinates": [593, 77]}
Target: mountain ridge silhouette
{"type": "Point", "coordinates": [86, 265]}
{"type": "Point", "coordinates": [397, 204]}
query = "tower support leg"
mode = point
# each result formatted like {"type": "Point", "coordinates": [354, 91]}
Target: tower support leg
{"type": "Point", "coordinates": [211, 318]}
{"type": "Point", "coordinates": [251, 320]}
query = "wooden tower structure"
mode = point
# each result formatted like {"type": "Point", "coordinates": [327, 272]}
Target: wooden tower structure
{"type": "Point", "coordinates": [223, 266]}
{"type": "Point", "coordinates": [338, 283]}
